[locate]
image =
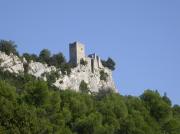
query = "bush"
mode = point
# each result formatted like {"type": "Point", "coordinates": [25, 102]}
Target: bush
{"type": "Point", "coordinates": [83, 87]}
{"type": "Point", "coordinates": [51, 77]}
{"type": "Point", "coordinates": [26, 67]}
{"type": "Point", "coordinates": [57, 60]}
{"type": "Point", "coordinates": [103, 75]}
{"type": "Point", "coordinates": [36, 93]}
{"type": "Point", "coordinates": [8, 47]}
{"type": "Point", "coordinates": [44, 56]}
{"type": "Point", "coordinates": [159, 109]}
{"type": "Point", "coordinates": [83, 62]}
{"type": "Point", "coordinates": [30, 57]}
{"type": "Point", "coordinates": [109, 64]}
{"type": "Point", "coordinates": [66, 69]}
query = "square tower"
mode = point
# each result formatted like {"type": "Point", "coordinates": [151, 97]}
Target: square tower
{"type": "Point", "coordinates": [76, 52]}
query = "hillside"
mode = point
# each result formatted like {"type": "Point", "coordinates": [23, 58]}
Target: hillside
{"type": "Point", "coordinates": [31, 105]}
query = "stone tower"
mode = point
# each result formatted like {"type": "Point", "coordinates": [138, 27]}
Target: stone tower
{"type": "Point", "coordinates": [77, 52]}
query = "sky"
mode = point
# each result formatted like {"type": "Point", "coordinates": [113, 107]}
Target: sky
{"type": "Point", "coordinates": [142, 36]}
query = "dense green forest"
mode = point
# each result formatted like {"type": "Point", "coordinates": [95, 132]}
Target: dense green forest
{"type": "Point", "coordinates": [32, 106]}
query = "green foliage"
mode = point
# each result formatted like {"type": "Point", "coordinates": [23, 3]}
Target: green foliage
{"type": "Point", "coordinates": [51, 77]}
{"type": "Point", "coordinates": [57, 60]}
{"type": "Point", "coordinates": [29, 105]}
{"type": "Point", "coordinates": [26, 67]}
{"type": "Point", "coordinates": [7, 91]}
{"type": "Point", "coordinates": [166, 99]}
{"type": "Point", "coordinates": [66, 69]}
{"type": "Point", "coordinates": [83, 87]}
{"type": "Point", "coordinates": [36, 93]}
{"type": "Point", "coordinates": [90, 124]}
{"type": "Point", "coordinates": [103, 75]}
{"type": "Point", "coordinates": [44, 56]}
{"type": "Point", "coordinates": [172, 126]}
{"type": "Point", "coordinates": [103, 93]}
{"type": "Point", "coordinates": [176, 111]}
{"type": "Point", "coordinates": [83, 62]}
{"type": "Point", "coordinates": [139, 120]}
{"type": "Point", "coordinates": [109, 63]}
{"type": "Point", "coordinates": [30, 57]}
{"type": "Point", "coordinates": [8, 47]}
{"type": "Point", "coordinates": [159, 109]}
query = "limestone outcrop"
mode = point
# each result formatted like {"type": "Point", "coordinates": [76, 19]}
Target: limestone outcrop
{"type": "Point", "coordinates": [93, 80]}
{"type": "Point", "coordinates": [11, 63]}
{"type": "Point", "coordinates": [38, 69]}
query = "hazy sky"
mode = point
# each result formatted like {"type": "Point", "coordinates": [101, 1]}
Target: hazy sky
{"type": "Point", "coordinates": [142, 36]}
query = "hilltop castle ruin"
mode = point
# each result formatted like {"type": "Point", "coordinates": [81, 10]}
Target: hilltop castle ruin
{"type": "Point", "coordinates": [93, 73]}
{"type": "Point", "coordinates": [77, 53]}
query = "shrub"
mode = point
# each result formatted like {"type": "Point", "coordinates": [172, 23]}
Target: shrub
{"type": "Point", "coordinates": [109, 64]}
{"type": "Point", "coordinates": [51, 77]}
{"type": "Point", "coordinates": [57, 60]}
{"type": "Point", "coordinates": [83, 62]}
{"type": "Point", "coordinates": [26, 67]}
{"type": "Point", "coordinates": [8, 47]}
{"type": "Point", "coordinates": [103, 75]}
{"type": "Point", "coordinates": [66, 69]}
{"type": "Point", "coordinates": [30, 57]}
{"type": "Point", "coordinates": [83, 87]}
{"type": "Point", "coordinates": [36, 93]}
{"type": "Point", "coordinates": [44, 56]}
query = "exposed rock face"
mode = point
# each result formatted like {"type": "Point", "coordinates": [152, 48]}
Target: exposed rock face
{"type": "Point", "coordinates": [15, 65]}
{"type": "Point", "coordinates": [11, 63]}
{"type": "Point", "coordinates": [81, 73]}
{"type": "Point", "coordinates": [38, 69]}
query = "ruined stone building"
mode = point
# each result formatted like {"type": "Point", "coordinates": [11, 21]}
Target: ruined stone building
{"type": "Point", "coordinates": [77, 53]}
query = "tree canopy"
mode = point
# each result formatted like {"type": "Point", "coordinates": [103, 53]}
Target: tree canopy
{"type": "Point", "coordinates": [109, 63]}
{"type": "Point", "coordinates": [29, 105]}
{"type": "Point", "coordinates": [8, 47]}
{"type": "Point", "coordinates": [44, 56]}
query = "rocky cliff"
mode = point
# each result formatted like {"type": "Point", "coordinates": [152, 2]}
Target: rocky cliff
{"type": "Point", "coordinates": [94, 80]}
